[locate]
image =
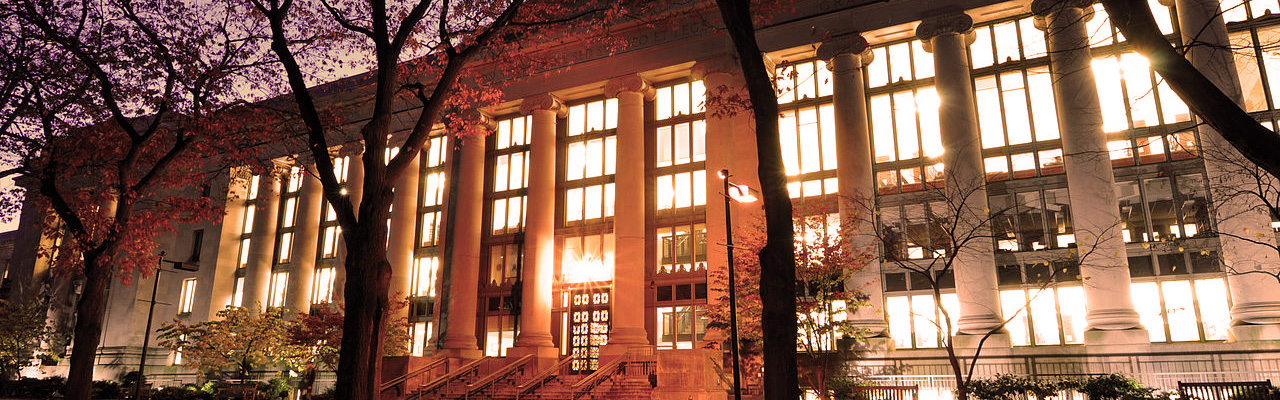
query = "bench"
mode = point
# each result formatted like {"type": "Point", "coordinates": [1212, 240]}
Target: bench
{"type": "Point", "coordinates": [1260, 390]}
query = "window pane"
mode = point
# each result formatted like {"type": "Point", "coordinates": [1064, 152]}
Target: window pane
{"type": "Point", "coordinates": [1146, 301]}
{"type": "Point", "coordinates": [1133, 218]}
{"type": "Point", "coordinates": [1180, 310]}
{"type": "Point", "coordinates": [882, 127]}
{"type": "Point", "coordinates": [1214, 312]}
{"type": "Point", "coordinates": [1013, 306]}
{"type": "Point", "coordinates": [1015, 107]}
{"type": "Point", "coordinates": [925, 320]}
{"type": "Point", "coordinates": [1071, 302]}
{"type": "Point", "coordinates": [990, 120]}
{"type": "Point", "coordinates": [1044, 316]}
{"type": "Point", "coordinates": [899, 312]}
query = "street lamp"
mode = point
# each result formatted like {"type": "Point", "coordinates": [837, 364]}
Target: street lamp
{"type": "Point", "coordinates": [741, 194]}
{"type": "Point", "coordinates": [146, 334]}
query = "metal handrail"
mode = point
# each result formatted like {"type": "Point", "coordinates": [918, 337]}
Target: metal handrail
{"type": "Point", "coordinates": [589, 383]}
{"type": "Point", "coordinates": [441, 381]}
{"type": "Point", "coordinates": [545, 376]}
{"type": "Point", "coordinates": [488, 380]}
{"type": "Point", "coordinates": [412, 374]}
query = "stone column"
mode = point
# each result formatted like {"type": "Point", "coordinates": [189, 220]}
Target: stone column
{"type": "Point", "coordinates": [1255, 311]}
{"type": "Point", "coordinates": [628, 310]}
{"type": "Point", "coordinates": [1095, 212]}
{"type": "Point", "coordinates": [355, 187]}
{"type": "Point", "coordinates": [539, 246]}
{"type": "Point", "coordinates": [403, 232]}
{"type": "Point", "coordinates": [845, 57]}
{"type": "Point", "coordinates": [262, 244]}
{"type": "Point", "coordinates": [460, 335]}
{"type": "Point", "coordinates": [731, 144]}
{"type": "Point", "coordinates": [306, 232]}
{"type": "Point", "coordinates": [947, 37]}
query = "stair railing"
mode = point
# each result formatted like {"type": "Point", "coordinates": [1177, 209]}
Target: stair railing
{"type": "Point", "coordinates": [616, 367]}
{"type": "Point", "coordinates": [464, 370]}
{"type": "Point", "coordinates": [480, 385]}
{"type": "Point", "coordinates": [541, 379]}
{"type": "Point", "coordinates": [401, 381]}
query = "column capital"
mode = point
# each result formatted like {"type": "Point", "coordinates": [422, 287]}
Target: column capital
{"type": "Point", "coordinates": [946, 24]}
{"type": "Point", "coordinates": [718, 65]}
{"type": "Point", "coordinates": [629, 83]}
{"type": "Point", "coordinates": [1043, 9]}
{"type": "Point", "coordinates": [545, 101]}
{"type": "Point", "coordinates": [853, 44]}
{"type": "Point", "coordinates": [482, 121]}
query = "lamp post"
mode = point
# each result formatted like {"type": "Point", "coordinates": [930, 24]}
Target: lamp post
{"type": "Point", "coordinates": [146, 334]}
{"type": "Point", "coordinates": [743, 195]}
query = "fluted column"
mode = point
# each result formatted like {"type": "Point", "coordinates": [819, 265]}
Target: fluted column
{"type": "Point", "coordinates": [947, 37]}
{"type": "Point", "coordinates": [404, 221]}
{"type": "Point", "coordinates": [306, 232]}
{"type": "Point", "coordinates": [628, 310]}
{"type": "Point", "coordinates": [1255, 311]}
{"type": "Point", "coordinates": [539, 245]}
{"type": "Point", "coordinates": [262, 243]}
{"type": "Point", "coordinates": [845, 57]}
{"type": "Point", "coordinates": [460, 335]}
{"type": "Point", "coordinates": [1095, 211]}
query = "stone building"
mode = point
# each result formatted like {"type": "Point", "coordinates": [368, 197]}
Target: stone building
{"type": "Point", "coordinates": [1106, 245]}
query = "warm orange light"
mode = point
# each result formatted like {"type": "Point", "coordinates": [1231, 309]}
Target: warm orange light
{"type": "Point", "coordinates": [588, 269]}
{"type": "Point", "coordinates": [741, 193]}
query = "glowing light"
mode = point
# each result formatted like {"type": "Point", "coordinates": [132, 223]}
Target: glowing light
{"type": "Point", "coordinates": [589, 268]}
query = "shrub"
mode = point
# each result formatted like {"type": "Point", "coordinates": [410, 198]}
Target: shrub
{"type": "Point", "coordinates": [1113, 387]}
{"type": "Point", "coordinates": [1010, 387]}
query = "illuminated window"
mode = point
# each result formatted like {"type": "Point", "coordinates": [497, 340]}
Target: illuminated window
{"type": "Point", "coordinates": [419, 335]}
{"type": "Point", "coordinates": [243, 261]}
{"type": "Point", "coordinates": [437, 151]}
{"type": "Point", "coordinates": [808, 139]}
{"type": "Point", "coordinates": [423, 277]}
{"type": "Point", "coordinates": [1032, 220]}
{"type": "Point", "coordinates": [511, 174]}
{"type": "Point", "coordinates": [1017, 107]}
{"type": "Point", "coordinates": [433, 181]}
{"type": "Point", "coordinates": [1043, 302]}
{"type": "Point", "coordinates": [329, 248]}
{"type": "Point", "coordinates": [914, 231]}
{"type": "Point", "coordinates": [914, 321]}
{"type": "Point", "coordinates": [899, 62]}
{"type": "Point", "coordinates": [681, 327]}
{"type": "Point", "coordinates": [288, 215]}
{"type": "Point", "coordinates": [341, 165]}
{"type": "Point", "coordinates": [1126, 84]}
{"type": "Point", "coordinates": [1183, 310]}
{"type": "Point", "coordinates": [681, 147]}
{"type": "Point", "coordinates": [679, 100]}
{"type": "Point", "coordinates": [1005, 42]}
{"type": "Point", "coordinates": [803, 81]}
{"type": "Point", "coordinates": [500, 335]}
{"type": "Point", "coordinates": [680, 190]}
{"type": "Point", "coordinates": [905, 125]}
{"type": "Point", "coordinates": [237, 294]}
{"type": "Point", "coordinates": [279, 286]}
{"type": "Point", "coordinates": [504, 263]}
{"type": "Point", "coordinates": [682, 249]}
{"type": "Point", "coordinates": [587, 258]}
{"type": "Point", "coordinates": [186, 299]}
{"type": "Point", "coordinates": [1174, 207]}
{"type": "Point", "coordinates": [430, 228]}
{"type": "Point", "coordinates": [433, 189]}
{"type": "Point", "coordinates": [591, 202]}
{"type": "Point", "coordinates": [322, 287]}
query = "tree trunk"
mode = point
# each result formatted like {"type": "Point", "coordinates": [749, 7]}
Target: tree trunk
{"type": "Point", "coordinates": [368, 282]}
{"type": "Point", "coordinates": [777, 259]}
{"type": "Point", "coordinates": [88, 328]}
{"type": "Point", "coordinates": [1255, 142]}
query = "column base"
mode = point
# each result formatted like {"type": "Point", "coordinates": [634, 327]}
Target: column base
{"type": "Point", "coordinates": [544, 356]}
{"type": "Point", "coordinates": [1098, 337]}
{"type": "Point", "coordinates": [998, 340]}
{"type": "Point", "coordinates": [457, 357]}
{"type": "Point", "coordinates": [1251, 333]}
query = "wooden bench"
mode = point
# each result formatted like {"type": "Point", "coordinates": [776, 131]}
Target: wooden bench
{"type": "Point", "coordinates": [1261, 390]}
{"type": "Point", "coordinates": [886, 393]}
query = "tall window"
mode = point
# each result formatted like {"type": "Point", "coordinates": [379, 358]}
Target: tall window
{"type": "Point", "coordinates": [186, 300]}
{"type": "Point", "coordinates": [288, 215]}
{"type": "Point", "coordinates": [1180, 296]}
{"type": "Point", "coordinates": [322, 287]}
{"type": "Point", "coordinates": [1164, 208]}
{"type": "Point", "coordinates": [591, 161]}
{"type": "Point", "coordinates": [916, 319]}
{"type": "Point", "coordinates": [1044, 303]}
{"type": "Point", "coordinates": [423, 282]}
{"type": "Point", "coordinates": [681, 315]}
{"type": "Point", "coordinates": [278, 289]}
{"type": "Point", "coordinates": [682, 249]}
{"type": "Point", "coordinates": [504, 263]}
{"type": "Point", "coordinates": [681, 146]}
{"type": "Point", "coordinates": [246, 223]}
{"type": "Point", "coordinates": [807, 128]}
{"type": "Point", "coordinates": [237, 293]}
{"type": "Point", "coordinates": [511, 173]}
{"type": "Point", "coordinates": [433, 187]}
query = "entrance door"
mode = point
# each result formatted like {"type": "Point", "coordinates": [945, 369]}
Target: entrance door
{"type": "Point", "coordinates": [589, 327]}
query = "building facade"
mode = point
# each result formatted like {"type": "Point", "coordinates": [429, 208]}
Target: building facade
{"type": "Point", "coordinates": [1089, 226]}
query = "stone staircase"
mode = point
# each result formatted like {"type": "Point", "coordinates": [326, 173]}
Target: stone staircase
{"type": "Point", "coordinates": [630, 376]}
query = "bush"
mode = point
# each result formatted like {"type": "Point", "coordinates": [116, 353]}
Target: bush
{"type": "Point", "coordinates": [109, 390]}
{"type": "Point", "coordinates": [32, 388]}
{"type": "Point", "coordinates": [1113, 387]}
{"type": "Point", "coordinates": [189, 392]}
{"type": "Point", "coordinates": [1010, 387]}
